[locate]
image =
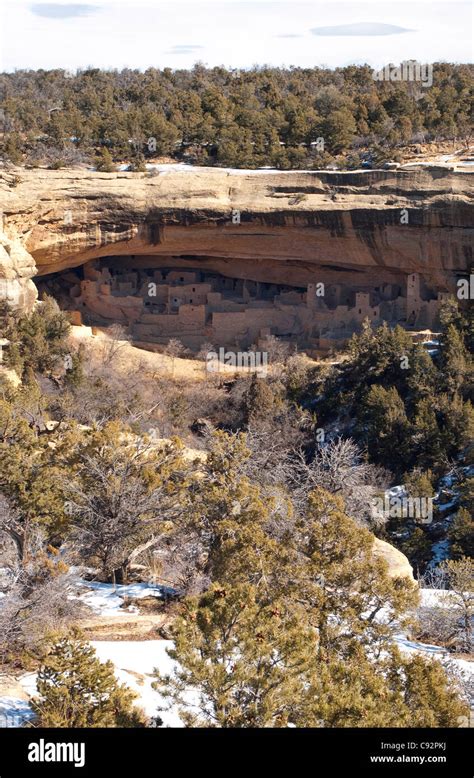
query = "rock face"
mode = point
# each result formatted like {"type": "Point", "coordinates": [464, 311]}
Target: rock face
{"type": "Point", "coordinates": [398, 564]}
{"type": "Point", "coordinates": [17, 267]}
{"type": "Point", "coordinates": [263, 226]}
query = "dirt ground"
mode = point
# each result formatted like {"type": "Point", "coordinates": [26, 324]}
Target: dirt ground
{"type": "Point", "coordinates": [126, 626]}
{"type": "Point", "coordinates": [130, 358]}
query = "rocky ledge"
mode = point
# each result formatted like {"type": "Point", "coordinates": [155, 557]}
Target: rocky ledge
{"type": "Point", "coordinates": [260, 225]}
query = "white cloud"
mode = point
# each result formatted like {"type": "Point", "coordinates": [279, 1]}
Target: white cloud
{"type": "Point", "coordinates": [141, 33]}
{"type": "Point", "coordinates": [63, 10]}
{"type": "Point", "coordinates": [360, 29]}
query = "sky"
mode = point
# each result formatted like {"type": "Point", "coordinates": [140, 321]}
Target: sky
{"type": "Point", "coordinates": [150, 33]}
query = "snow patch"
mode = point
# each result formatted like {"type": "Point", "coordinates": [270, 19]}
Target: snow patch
{"type": "Point", "coordinates": [134, 663]}
{"type": "Point", "coordinates": [107, 600]}
{"type": "Point", "coordinates": [14, 712]}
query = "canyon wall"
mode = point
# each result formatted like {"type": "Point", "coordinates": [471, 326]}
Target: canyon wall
{"type": "Point", "coordinates": [279, 227]}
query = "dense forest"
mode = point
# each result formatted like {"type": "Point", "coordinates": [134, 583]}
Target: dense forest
{"type": "Point", "coordinates": [286, 118]}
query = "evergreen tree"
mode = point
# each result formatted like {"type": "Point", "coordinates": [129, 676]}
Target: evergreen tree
{"type": "Point", "coordinates": [383, 412]}
{"type": "Point", "coordinates": [454, 359]}
{"type": "Point", "coordinates": [306, 649]}
{"type": "Point", "coordinates": [245, 660]}
{"type": "Point", "coordinates": [417, 546]}
{"type": "Point", "coordinates": [39, 338]}
{"type": "Point", "coordinates": [104, 161]}
{"type": "Point", "coordinates": [461, 534]}
{"type": "Point", "coordinates": [77, 690]}
{"type": "Point", "coordinates": [260, 401]}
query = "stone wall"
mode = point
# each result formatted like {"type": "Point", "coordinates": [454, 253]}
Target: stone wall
{"type": "Point", "coordinates": [188, 305]}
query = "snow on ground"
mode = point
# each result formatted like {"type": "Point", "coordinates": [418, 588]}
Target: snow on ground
{"type": "Point", "coordinates": [134, 664]}
{"type": "Point", "coordinates": [134, 661]}
{"type": "Point", "coordinates": [462, 669]}
{"type": "Point", "coordinates": [447, 506]}
{"type": "Point", "coordinates": [397, 491]}
{"type": "Point", "coordinates": [107, 599]}
{"type": "Point", "coordinates": [437, 598]}
{"type": "Point", "coordinates": [412, 646]}
{"type": "Point", "coordinates": [169, 167]}
{"type": "Point", "coordinates": [14, 712]}
{"type": "Point", "coordinates": [440, 551]}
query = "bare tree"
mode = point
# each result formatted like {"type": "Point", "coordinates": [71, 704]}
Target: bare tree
{"type": "Point", "coordinates": [339, 467]}
{"type": "Point", "coordinates": [113, 343]}
{"type": "Point", "coordinates": [460, 577]}
{"type": "Point", "coordinates": [276, 349]}
{"type": "Point", "coordinates": [39, 600]}
{"type": "Point", "coordinates": [119, 505]}
{"type": "Point", "coordinates": [12, 525]}
{"type": "Point", "coordinates": [206, 349]}
{"type": "Point", "coordinates": [447, 617]}
{"type": "Point", "coordinates": [174, 349]}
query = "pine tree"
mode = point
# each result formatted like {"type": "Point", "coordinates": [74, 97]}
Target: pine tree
{"type": "Point", "coordinates": [312, 654]}
{"type": "Point", "coordinates": [77, 690]}
{"type": "Point", "coordinates": [454, 359]}
{"type": "Point", "coordinates": [424, 695]}
{"type": "Point", "coordinates": [419, 483]}
{"type": "Point", "coordinates": [245, 660]}
{"type": "Point", "coordinates": [340, 581]}
{"type": "Point", "coordinates": [467, 494]}
{"type": "Point", "coordinates": [461, 534]}
{"type": "Point", "coordinates": [418, 548]}
{"type": "Point", "coordinates": [383, 413]}
{"type": "Point", "coordinates": [291, 634]}
{"type": "Point", "coordinates": [104, 161]}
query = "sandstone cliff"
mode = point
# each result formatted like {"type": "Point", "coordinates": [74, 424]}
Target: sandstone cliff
{"type": "Point", "coordinates": [252, 224]}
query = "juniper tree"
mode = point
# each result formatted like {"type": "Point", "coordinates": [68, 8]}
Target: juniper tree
{"type": "Point", "coordinates": [104, 161]}
{"type": "Point", "coordinates": [385, 423]}
{"type": "Point", "coordinates": [123, 498]}
{"type": "Point", "coordinates": [300, 632]}
{"type": "Point", "coordinates": [40, 337]}
{"type": "Point", "coordinates": [244, 661]}
{"type": "Point", "coordinates": [226, 532]}
{"type": "Point", "coordinates": [75, 690]}
{"type": "Point", "coordinates": [461, 534]}
{"type": "Point", "coordinates": [455, 359]}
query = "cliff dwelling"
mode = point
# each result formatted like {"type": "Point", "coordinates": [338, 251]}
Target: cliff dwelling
{"type": "Point", "coordinates": [311, 255]}
{"type": "Point", "coordinates": [157, 298]}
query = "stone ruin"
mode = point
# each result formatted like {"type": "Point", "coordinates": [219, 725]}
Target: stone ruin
{"type": "Point", "coordinates": [197, 306]}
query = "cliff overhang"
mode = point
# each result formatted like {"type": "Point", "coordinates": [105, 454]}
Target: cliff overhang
{"type": "Point", "coordinates": [283, 227]}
